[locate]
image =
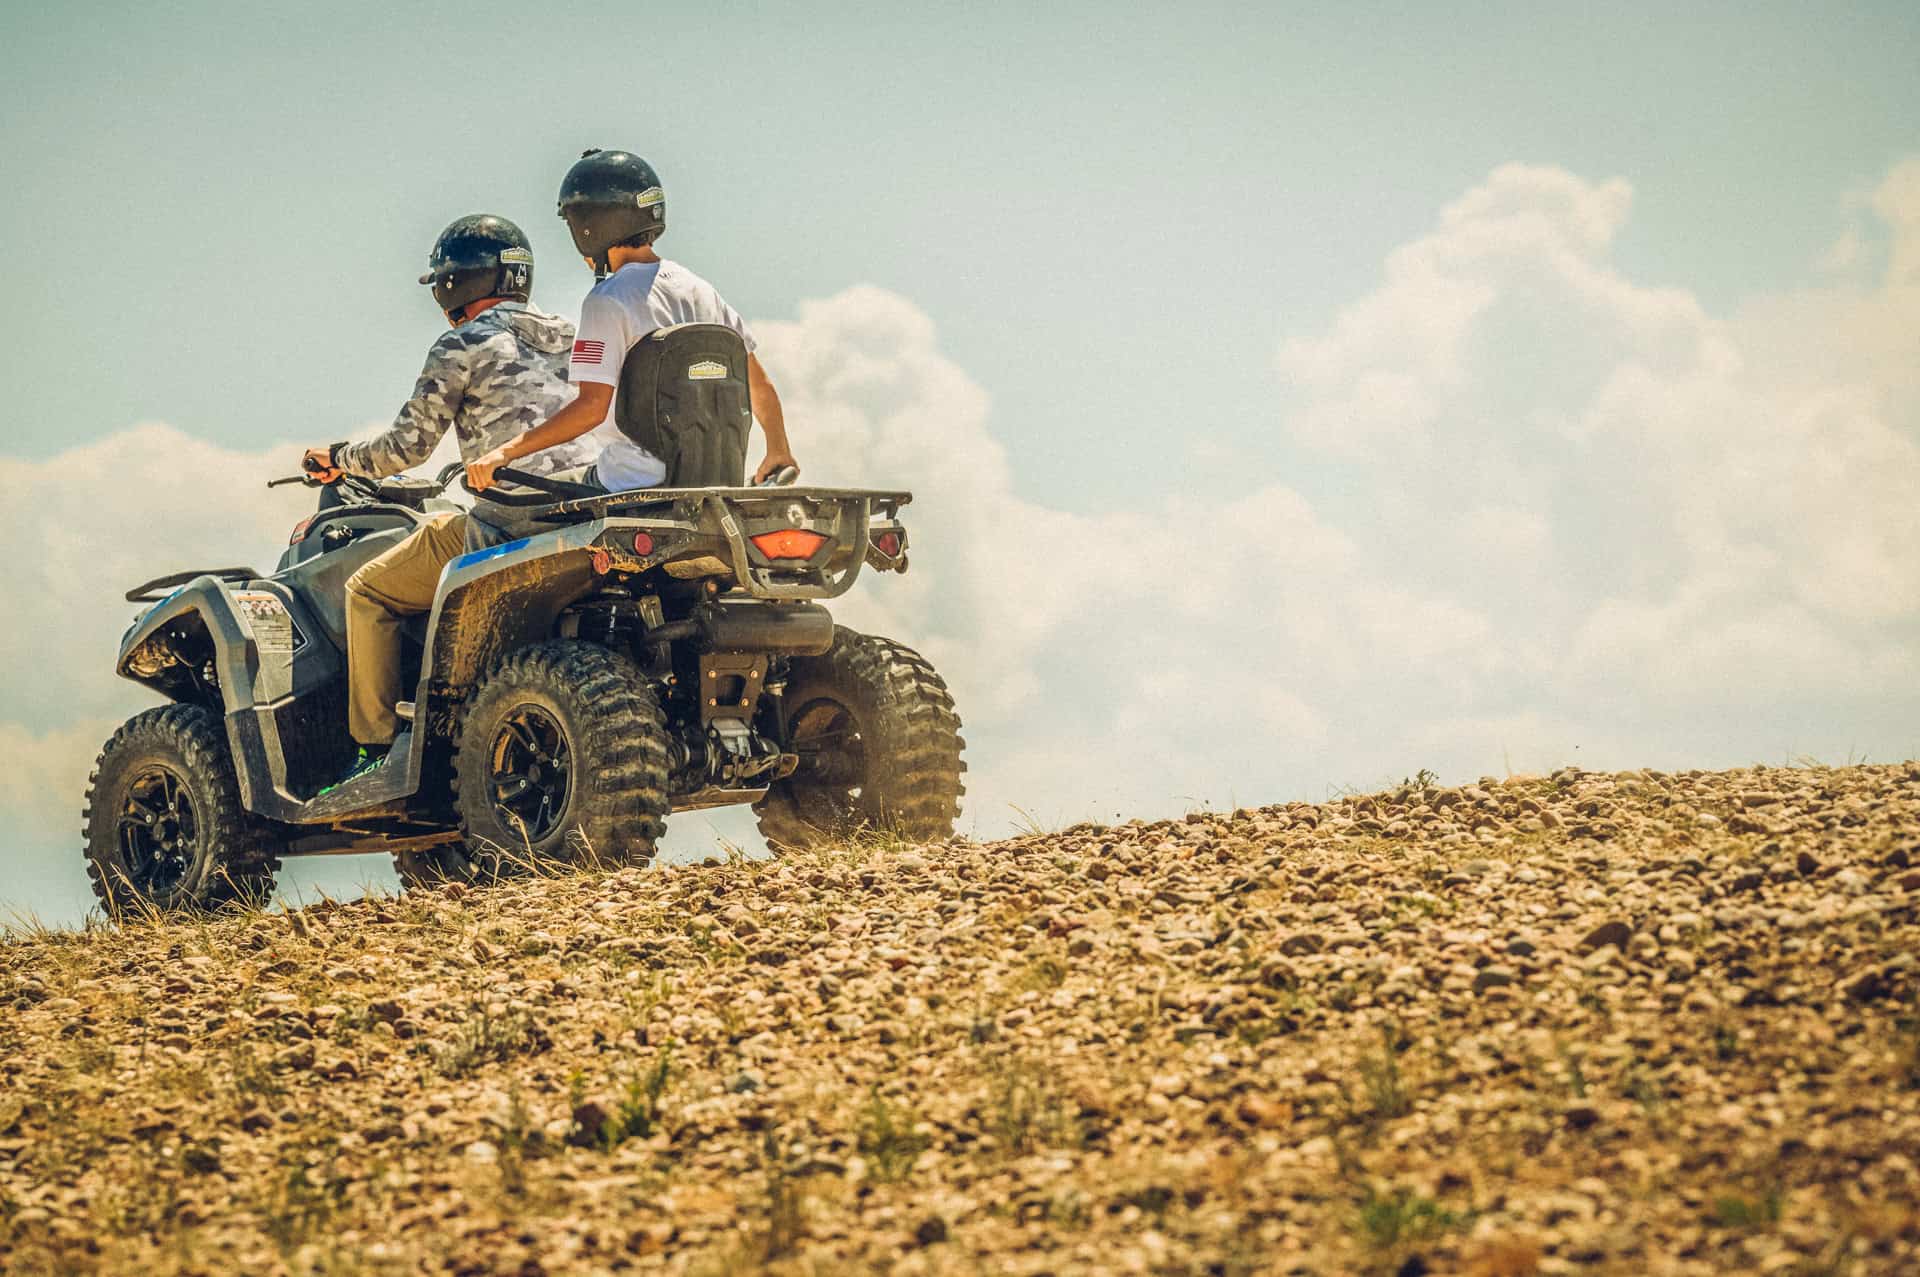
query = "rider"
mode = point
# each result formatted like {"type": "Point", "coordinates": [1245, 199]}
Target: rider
{"type": "Point", "coordinates": [501, 368]}
{"type": "Point", "coordinates": [613, 204]}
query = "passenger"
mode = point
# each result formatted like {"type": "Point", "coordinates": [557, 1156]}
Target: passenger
{"type": "Point", "coordinates": [613, 204]}
{"type": "Point", "coordinates": [501, 369]}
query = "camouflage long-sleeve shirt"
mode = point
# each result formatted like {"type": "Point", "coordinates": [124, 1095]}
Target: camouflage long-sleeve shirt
{"type": "Point", "coordinates": [489, 379]}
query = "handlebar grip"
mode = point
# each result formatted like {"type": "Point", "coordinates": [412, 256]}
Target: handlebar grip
{"type": "Point", "coordinates": [546, 489]}
{"type": "Point", "coordinates": [542, 483]}
{"type": "Point", "coordinates": [781, 478]}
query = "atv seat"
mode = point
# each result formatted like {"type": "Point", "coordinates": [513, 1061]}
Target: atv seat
{"type": "Point", "coordinates": [683, 397]}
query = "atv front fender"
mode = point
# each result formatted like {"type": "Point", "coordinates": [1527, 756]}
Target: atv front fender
{"type": "Point", "coordinates": [247, 651]}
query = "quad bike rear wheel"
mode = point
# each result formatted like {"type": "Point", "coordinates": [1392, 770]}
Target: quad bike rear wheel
{"type": "Point", "coordinates": [879, 745]}
{"type": "Point", "coordinates": [164, 827]}
{"type": "Point", "coordinates": [563, 759]}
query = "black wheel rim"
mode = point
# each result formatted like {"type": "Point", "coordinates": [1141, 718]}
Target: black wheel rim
{"type": "Point", "coordinates": [833, 762]}
{"type": "Point", "coordinates": [529, 772]}
{"type": "Point", "coordinates": [159, 831]}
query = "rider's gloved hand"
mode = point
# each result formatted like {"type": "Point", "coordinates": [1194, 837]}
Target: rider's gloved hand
{"type": "Point", "coordinates": [319, 463]}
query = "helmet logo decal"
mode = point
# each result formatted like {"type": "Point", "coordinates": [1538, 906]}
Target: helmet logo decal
{"type": "Point", "coordinates": [649, 197]}
{"type": "Point", "coordinates": [706, 370]}
{"type": "Point", "coordinates": [518, 256]}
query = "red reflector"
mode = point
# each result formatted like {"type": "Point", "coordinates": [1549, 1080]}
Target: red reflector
{"type": "Point", "coordinates": [789, 543]}
{"type": "Point", "coordinates": [888, 543]}
{"type": "Point", "coordinates": [642, 544]}
{"type": "Point", "coordinates": [300, 530]}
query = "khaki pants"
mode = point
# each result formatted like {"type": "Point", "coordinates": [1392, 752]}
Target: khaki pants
{"type": "Point", "coordinates": [383, 593]}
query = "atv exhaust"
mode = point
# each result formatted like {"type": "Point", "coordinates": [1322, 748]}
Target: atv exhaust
{"type": "Point", "coordinates": [738, 625]}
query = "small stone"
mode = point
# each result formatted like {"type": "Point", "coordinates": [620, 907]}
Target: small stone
{"type": "Point", "coordinates": [1256, 1109]}
{"type": "Point", "coordinates": [930, 1231]}
{"type": "Point", "coordinates": [590, 1118]}
{"type": "Point", "coordinates": [1492, 977]}
{"type": "Point", "coordinates": [1614, 933]}
{"type": "Point", "coordinates": [482, 1153]}
{"type": "Point", "coordinates": [1278, 973]}
{"type": "Point", "coordinates": [1870, 985]}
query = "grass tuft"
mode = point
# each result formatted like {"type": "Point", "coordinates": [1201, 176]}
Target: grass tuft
{"type": "Point", "coordinates": [1401, 1217]}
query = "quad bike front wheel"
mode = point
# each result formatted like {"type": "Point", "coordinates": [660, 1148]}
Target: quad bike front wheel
{"type": "Point", "coordinates": [164, 827]}
{"type": "Point", "coordinates": [879, 746]}
{"type": "Point", "coordinates": [563, 759]}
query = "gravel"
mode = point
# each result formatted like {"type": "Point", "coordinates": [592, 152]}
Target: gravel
{"type": "Point", "coordinates": [1639, 1022]}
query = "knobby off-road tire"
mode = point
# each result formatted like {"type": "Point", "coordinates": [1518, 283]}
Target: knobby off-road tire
{"type": "Point", "coordinates": [580, 726]}
{"type": "Point", "coordinates": [164, 827]}
{"type": "Point", "coordinates": [883, 710]}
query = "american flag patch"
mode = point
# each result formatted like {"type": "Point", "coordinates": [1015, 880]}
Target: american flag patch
{"type": "Point", "coordinates": [588, 352]}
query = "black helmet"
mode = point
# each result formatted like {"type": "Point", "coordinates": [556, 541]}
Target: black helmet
{"type": "Point", "coordinates": [608, 198]}
{"type": "Point", "coordinates": [479, 256]}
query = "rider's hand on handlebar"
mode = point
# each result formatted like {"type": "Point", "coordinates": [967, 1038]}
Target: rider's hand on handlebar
{"type": "Point", "coordinates": [480, 470]}
{"type": "Point", "coordinates": [775, 462]}
{"type": "Point", "coordinates": [318, 463]}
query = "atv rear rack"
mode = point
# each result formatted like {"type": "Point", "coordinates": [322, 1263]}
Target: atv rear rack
{"type": "Point", "coordinates": [883, 502]}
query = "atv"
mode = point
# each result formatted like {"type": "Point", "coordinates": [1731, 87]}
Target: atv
{"type": "Point", "coordinates": [615, 657]}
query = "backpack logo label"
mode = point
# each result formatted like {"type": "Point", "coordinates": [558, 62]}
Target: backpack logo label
{"type": "Point", "coordinates": [706, 370]}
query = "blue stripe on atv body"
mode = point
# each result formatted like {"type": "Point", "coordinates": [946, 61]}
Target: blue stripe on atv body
{"type": "Point", "coordinates": [491, 552]}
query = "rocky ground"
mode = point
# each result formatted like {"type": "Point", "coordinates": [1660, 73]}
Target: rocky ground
{"type": "Point", "coordinates": [1633, 1023]}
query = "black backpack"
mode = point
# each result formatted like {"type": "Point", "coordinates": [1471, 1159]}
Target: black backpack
{"type": "Point", "coordinates": [683, 397]}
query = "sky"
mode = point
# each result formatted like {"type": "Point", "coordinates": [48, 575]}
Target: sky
{"type": "Point", "coordinates": [1295, 396]}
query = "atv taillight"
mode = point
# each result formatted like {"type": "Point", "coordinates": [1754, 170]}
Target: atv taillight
{"type": "Point", "coordinates": [643, 544]}
{"type": "Point", "coordinates": [789, 543]}
{"type": "Point", "coordinates": [300, 530]}
{"type": "Point", "coordinates": [888, 543]}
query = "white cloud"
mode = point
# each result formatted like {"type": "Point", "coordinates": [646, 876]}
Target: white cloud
{"type": "Point", "coordinates": [86, 525]}
{"type": "Point", "coordinates": [1582, 520]}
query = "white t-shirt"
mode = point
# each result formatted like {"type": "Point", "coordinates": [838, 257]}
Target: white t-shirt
{"type": "Point", "coordinates": [621, 309]}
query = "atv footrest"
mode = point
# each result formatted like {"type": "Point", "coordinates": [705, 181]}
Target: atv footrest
{"type": "Point", "coordinates": [714, 796]}
{"type": "Point", "coordinates": [385, 784]}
